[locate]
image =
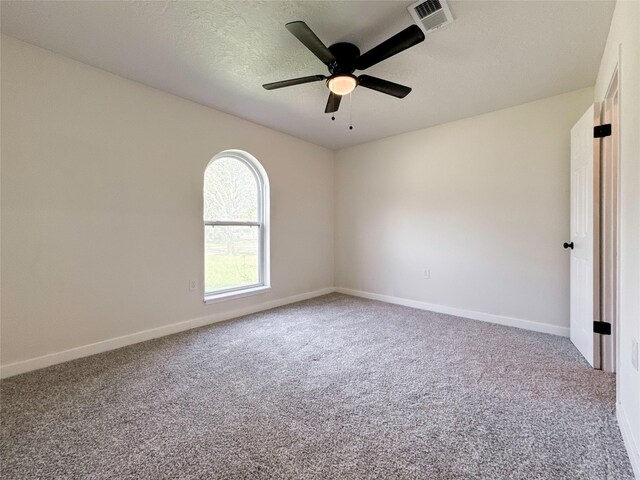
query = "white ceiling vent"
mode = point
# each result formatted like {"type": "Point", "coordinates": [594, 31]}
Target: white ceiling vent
{"type": "Point", "coordinates": [431, 14]}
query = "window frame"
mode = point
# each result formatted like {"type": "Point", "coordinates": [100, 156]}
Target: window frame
{"type": "Point", "coordinates": [262, 186]}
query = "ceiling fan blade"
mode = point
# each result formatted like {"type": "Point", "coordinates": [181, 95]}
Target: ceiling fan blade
{"type": "Point", "coordinates": [383, 86]}
{"type": "Point", "coordinates": [293, 81]}
{"type": "Point", "coordinates": [302, 32]}
{"type": "Point", "coordinates": [333, 103]}
{"type": "Point", "coordinates": [407, 38]}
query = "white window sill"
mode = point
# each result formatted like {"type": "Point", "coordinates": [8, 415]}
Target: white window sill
{"type": "Point", "coordinates": [220, 297]}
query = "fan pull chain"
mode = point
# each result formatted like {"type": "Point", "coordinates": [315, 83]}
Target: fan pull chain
{"type": "Point", "coordinates": [350, 111]}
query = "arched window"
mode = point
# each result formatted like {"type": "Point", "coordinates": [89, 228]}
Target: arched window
{"type": "Point", "coordinates": [236, 217]}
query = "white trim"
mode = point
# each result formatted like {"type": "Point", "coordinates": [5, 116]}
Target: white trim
{"type": "Point", "coordinates": [632, 444]}
{"type": "Point", "coordinates": [459, 312]}
{"type": "Point", "coordinates": [242, 292]}
{"type": "Point", "coordinates": [118, 342]}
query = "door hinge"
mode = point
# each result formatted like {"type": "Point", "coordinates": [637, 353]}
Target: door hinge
{"type": "Point", "coordinates": [600, 131]}
{"type": "Point", "coordinates": [603, 328]}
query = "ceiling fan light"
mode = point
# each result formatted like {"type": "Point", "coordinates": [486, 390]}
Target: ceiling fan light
{"type": "Point", "coordinates": [342, 84]}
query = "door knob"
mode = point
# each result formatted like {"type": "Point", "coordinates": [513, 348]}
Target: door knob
{"type": "Point", "coordinates": [568, 245]}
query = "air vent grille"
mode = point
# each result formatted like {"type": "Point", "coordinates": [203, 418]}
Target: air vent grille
{"type": "Point", "coordinates": [427, 8]}
{"type": "Point", "coordinates": [431, 14]}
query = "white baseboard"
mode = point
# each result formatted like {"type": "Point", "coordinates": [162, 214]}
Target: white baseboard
{"type": "Point", "coordinates": [118, 342]}
{"type": "Point", "coordinates": [113, 343]}
{"type": "Point", "coordinates": [633, 447]}
{"type": "Point", "coordinates": [459, 312]}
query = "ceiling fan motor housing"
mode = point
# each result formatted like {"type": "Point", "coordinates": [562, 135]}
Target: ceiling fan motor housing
{"type": "Point", "coordinates": [346, 55]}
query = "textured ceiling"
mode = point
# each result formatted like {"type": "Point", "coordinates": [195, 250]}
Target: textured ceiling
{"type": "Point", "coordinates": [496, 54]}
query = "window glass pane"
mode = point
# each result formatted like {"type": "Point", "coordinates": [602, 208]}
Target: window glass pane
{"type": "Point", "coordinates": [231, 257]}
{"type": "Point", "coordinates": [230, 191]}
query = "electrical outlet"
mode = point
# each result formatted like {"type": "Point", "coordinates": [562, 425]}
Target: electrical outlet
{"type": "Point", "coordinates": [193, 285]}
{"type": "Point", "coordinates": [427, 274]}
{"type": "Point", "coordinates": [634, 353]}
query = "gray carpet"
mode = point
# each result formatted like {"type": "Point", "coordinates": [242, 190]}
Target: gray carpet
{"type": "Point", "coordinates": [332, 388]}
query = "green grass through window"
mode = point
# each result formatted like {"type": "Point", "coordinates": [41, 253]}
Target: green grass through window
{"type": "Point", "coordinates": [230, 267]}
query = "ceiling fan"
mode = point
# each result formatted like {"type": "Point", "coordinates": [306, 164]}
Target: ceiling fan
{"type": "Point", "coordinates": [342, 59]}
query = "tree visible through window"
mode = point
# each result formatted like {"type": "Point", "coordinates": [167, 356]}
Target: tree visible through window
{"type": "Point", "coordinates": [235, 204]}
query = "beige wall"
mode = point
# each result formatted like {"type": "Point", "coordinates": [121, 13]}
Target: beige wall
{"type": "Point", "coordinates": [102, 205]}
{"type": "Point", "coordinates": [483, 203]}
{"type": "Point", "coordinates": [624, 40]}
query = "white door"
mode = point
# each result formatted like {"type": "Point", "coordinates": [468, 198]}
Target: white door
{"type": "Point", "coordinates": [584, 223]}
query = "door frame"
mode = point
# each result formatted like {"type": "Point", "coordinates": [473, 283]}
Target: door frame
{"type": "Point", "coordinates": [609, 344]}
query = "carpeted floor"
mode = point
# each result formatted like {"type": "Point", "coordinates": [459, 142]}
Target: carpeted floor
{"type": "Point", "coordinates": [331, 388]}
